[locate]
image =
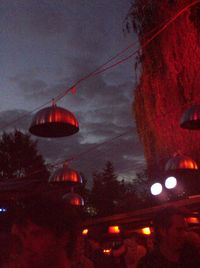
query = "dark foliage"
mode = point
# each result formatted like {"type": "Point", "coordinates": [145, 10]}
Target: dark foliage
{"type": "Point", "coordinates": [109, 195]}
{"type": "Point", "coordinates": [106, 191]}
{"type": "Point", "coordinates": [195, 16]}
{"type": "Point", "coordinates": [19, 157]}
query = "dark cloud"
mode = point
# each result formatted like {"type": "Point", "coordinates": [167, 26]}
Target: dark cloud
{"type": "Point", "coordinates": [94, 100]}
{"type": "Point", "coordinates": [15, 119]}
{"type": "Point", "coordinates": [30, 87]}
{"type": "Point", "coordinates": [35, 17]}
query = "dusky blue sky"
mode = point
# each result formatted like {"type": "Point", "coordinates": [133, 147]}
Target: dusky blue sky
{"type": "Point", "coordinates": [46, 46]}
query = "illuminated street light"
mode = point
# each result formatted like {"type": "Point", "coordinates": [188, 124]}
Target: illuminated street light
{"type": "Point", "coordinates": [170, 182]}
{"type": "Point", "coordinates": [156, 188]}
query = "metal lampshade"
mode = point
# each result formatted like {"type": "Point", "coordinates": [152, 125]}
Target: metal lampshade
{"type": "Point", "coordinates": [181, 162]}
{"type": "Point", "coordinates": [54, 122]}
{"type": "Point", "coordinates": [73, 199]}
{"type": "Point", "coordinates": [66, 176]}
{"type": "Point", "coordinates": [191, 118]}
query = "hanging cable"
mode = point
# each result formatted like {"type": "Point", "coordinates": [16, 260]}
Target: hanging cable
{"type": "Point", "coordinates": [99, 70]}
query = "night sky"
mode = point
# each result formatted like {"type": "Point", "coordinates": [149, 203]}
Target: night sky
{"type": "Point", "coordinates": [46, 46]}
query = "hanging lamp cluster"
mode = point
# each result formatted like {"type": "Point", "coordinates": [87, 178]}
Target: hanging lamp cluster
{"type": "Point", "coordinates": [190, 120]}
{"type": "Point", "coordinates": [66, 176]}
{"type": "Point", "coordinates": [55, 122]}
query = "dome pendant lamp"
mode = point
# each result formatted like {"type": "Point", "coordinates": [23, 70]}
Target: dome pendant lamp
{"type": "Point", "coordinates": [191, 118]}
{"type": "Point", "coordinates": [180, 162]}
{"type": "Point", "coordinates": [73, 199]}
{"type": "Point", "coordinates": [54, 122]}
{"type": "Point", "coordinates": [66, 176]}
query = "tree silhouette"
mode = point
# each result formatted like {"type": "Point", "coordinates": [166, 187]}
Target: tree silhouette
{"type": "Point", "coordinates": [19, 157]}
{"type": "Point", "coordinates": [110, 195]}
{"type": "Point", "coordinates": [107, 191]}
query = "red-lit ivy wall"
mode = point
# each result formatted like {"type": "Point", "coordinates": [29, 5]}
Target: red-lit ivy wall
{"type": "Point", "coordinates": [170, 79]}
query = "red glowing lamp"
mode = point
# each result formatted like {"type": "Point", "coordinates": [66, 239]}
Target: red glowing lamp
{"type": "Point", "coordinates": [114, 229]}
{"type": "Point", "coordinates": [191, 118]}
{"type": "Point", "coordinates": [54, 122]}
{"type": "Point", "coordinates": [181, 162]}
{"type": "Point", "coordinates": [66, 176]}
{"type": "Point", "coordinates": [73, 199]}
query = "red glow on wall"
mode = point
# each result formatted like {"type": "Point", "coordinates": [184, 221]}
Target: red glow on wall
{"type": "Point", "coordinates": [168, 85]}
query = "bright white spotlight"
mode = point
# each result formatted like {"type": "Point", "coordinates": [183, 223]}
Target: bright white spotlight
{"type": "Point", "coordinates": [156, 188]}
{"type": "Point", "coordinates": [170, 182]}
